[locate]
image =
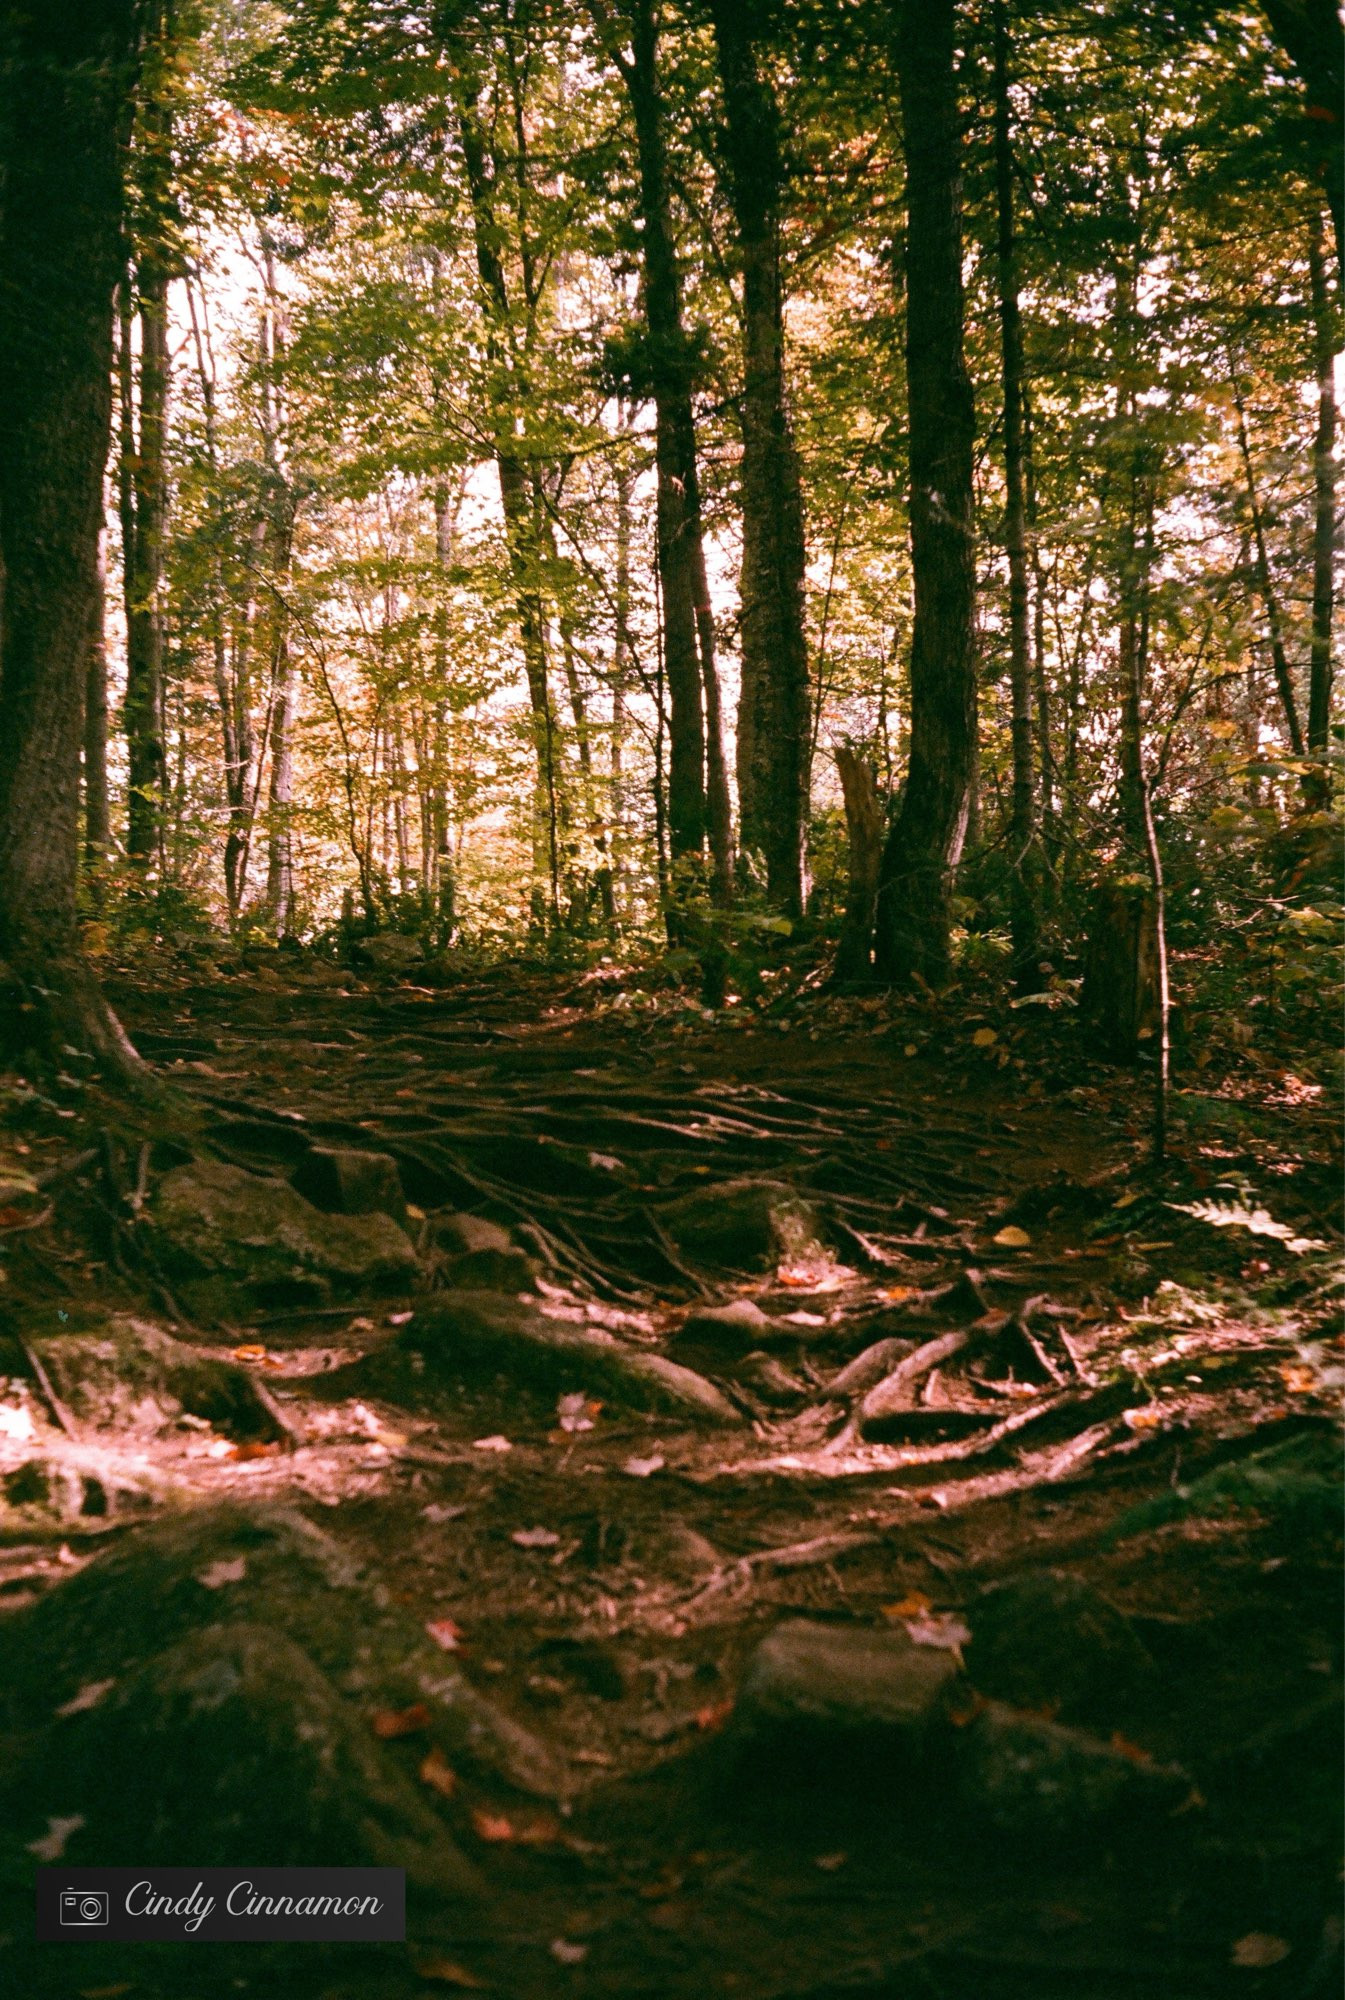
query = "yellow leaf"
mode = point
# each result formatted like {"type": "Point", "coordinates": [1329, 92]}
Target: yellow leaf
{"type": "Point", "coordinates": [984, 1037]}
{"type": "Point", "coordinates": [913, 1605]}
{"type": "Point", "coordinates": [1013, 1238]}
{"type": "Point", "coordinates": [1259, 1949]}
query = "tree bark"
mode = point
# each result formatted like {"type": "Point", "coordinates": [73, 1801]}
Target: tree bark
{"type": "Point", "coordinates": [1279, 658]}
{"type": "Point", "coordinates": [68, 75]}
{"type": "Point", "coordinates": [1023, 881]}
{"type": "Point", "coordinates": [97, 812]}
{"type": "Point", "coordinates": [1324, 475]}
{"type": "Point", "coordinates": [773, 716]}
{"type": "Point", "coordinates": [926, 840]}
{"type": "Point", "coordinates": [864, 831]}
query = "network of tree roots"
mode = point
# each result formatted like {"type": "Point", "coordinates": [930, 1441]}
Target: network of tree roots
{"type": "Point", "coordinates": [988, 1390]}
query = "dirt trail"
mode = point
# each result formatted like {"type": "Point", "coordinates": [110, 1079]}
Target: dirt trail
{"type": "Point", "coordinates": [1064, 1349]}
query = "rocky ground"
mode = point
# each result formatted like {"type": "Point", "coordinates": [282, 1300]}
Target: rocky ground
{"type": "Point", "coordinates": [785, 1505]}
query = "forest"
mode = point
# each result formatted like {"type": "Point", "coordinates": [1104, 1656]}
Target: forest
{"type": "Point", "coordinates": [671, 911]}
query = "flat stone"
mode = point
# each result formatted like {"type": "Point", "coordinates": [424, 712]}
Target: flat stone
{"type": "Point", "coordinates": [744, 1225]}
{"type": "Point", "coordinates": [846, 1679]}
{"type": "Point", "coordinates": [1022, 1774]}
{"type": "Point", "coordinates": [342, 1180]}
{"type": "Point", "coordinates": [129, 1375]}
{"type": "Point", "coordinates": [216, 1220]}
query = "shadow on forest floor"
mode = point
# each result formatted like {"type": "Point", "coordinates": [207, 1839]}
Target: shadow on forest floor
{"type": "Point", "coordinates": [775, 1513]}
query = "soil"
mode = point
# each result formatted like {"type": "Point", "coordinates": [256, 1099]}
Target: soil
{"type": "Point", "coordinates": [1142, 1409]}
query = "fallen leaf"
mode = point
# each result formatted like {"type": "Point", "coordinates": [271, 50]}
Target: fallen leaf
{"type": "Point", "coordinates": [390, 1723]}
{"type": "Point", "coordinates": [1147, 1419]}
{"type": "Point", "coordinates": [229, 1569]}
{"type": "Point", "coordinates": [1259, 1949]}
{"type": "Point", "coordinates": [438, 1512]}
{"type": "Point", "coordinates": [535, 1538]}
{"type": "Point", "coordinates": [447, 1973]}
{"type": "Point", "coordinates": [1298, 1379]}
{"type": "Point", "coordinates": [714, 1715]}
{"type": "Point", "coordinates": [243, 1452]}
{"type": "Point", "coordinates": [1127, 1200]}
{"type": "Point", "coordinates": [491, 1444]}
{"type": "Point", "coordinates": [1012, 1238]}
{"type": "Point", "coordinates": [445, 1633]}
{"type": "Point", "coordinates": [400, 1319]}
{"type": "Point", "coordinates": [89, 1696]}
{"type": "Point", "coordinates": [438, 1774]}
{"type": "Point", "coordinates": [909, 1049]}
{"type": "Point", "coordinates": [643, 1468]}
{"type": "Point", "coordinates": [568, 1953]}
{"type": "Point", "coordinates": [829, 1863]}
{"type": "Point", "coordinates": [893, 1295]}
{"type": "Point", "coordinates": [983, 1038]}
{"type": "Point", "coordinates": [913, 1605]}
{"type": "Point", "coordinates": [498, 1830]}
{"type": "Point", "coordinates": [51, 1846]}
{"type": "Point", "coordinates": [1123, 1747]}
{"type": "Point", "coordinates": [416, 1214]}
{"type": "Point", "coordinates": [252, 1352]}
{"type": "Point", "coordinates": [575, 1413]}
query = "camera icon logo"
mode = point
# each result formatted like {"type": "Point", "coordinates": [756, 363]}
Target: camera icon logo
{"type": "Point", "coordinates": [83, 1907]}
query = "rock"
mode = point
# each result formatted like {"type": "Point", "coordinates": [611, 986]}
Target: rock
{"type": "Point", "coordinates": [464, 1235]}
{"type": "Point", "coordinates": [130, 1375]}
{"type": "Point", "coordinates": [232, 1742]}
{"type": "Point", "coordinates": [843, 1680]}
{"type": "Point", "coordinates": [341, 1180]}
{"type": "Point", "coordinates": [390, 951]}
{"type": "Point", "coordinates": [744, 1225]}
{"type": "Point", "coordinates": [730, 1329]}
{"type": "Point", "coordinates": [1024, 1775]}
{"type": "Point", "coordinates": [465, 1332]}
{"type": "Point", "coordinates": [492, 1271]}
{"type": "Point", "coordinates": [268, 1568]}
{"type": "Point", "coordinates": [218, 1222]}
{"type": "Point", "coordinates": [1049, 1637]}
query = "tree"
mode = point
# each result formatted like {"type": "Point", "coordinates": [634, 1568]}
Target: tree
{"type": "Point", "coordinates": [69, 74]}
{"type": "Point", "coordinates": [773, 734]}
{"type": "Point", "coordinates": [925, 843]}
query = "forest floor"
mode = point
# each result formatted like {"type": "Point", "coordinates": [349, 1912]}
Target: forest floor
{"type": "Point", "coordinates": [1064, 1716]}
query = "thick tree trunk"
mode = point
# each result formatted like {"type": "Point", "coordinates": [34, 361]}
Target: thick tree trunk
{"type": "Point", "coordinates": [143, 523]}
{"type": "Point", "coordinates": [1023, 885]}
{"type": "Point", "coordinates": [68, 73]}
{"type": "Point", "coordinates": [925, 844]}
{"type": "Point", "coordinates": [864, 821]}
{"type": "Point", "coordinates": [773, 715]}
{"type": "Point", "coordinates": [1324, 474]}
{"type": "Point", "coordinates": [1311, 35]}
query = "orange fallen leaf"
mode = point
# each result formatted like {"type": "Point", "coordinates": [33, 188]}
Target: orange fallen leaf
{"type": "Point", "coordinates": [445, 1633]}
{"type": "Point", "coordinates": [241, 1453]}
{"type": "Point", "coordinates": [499, 1830]}
{"type": "Point", "coordinates": [1125, 1748]}
{"type": "Point", "coordinates": [438, 1774]}
{"type": "Point", "coordinates": [913, 1605]}
{"type": "Point", "coordinates": [447, 1973]}
{"type": "Point", "coordinates": [392, 1722]}
{"type": "Point", "coordinates": [714, 1715]}
{"type": "Point", "coordinates": [253, 1351]}
{"type": "Point", "coordinates": [1298, 1379]}
{"type": "Point", "coordinates": [893, 1295]}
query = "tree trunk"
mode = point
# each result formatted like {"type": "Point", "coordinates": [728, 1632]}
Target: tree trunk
{"type": "Point", "coordinates": [521, 525]}
{"type": "Point", "coordinates": [675, 452]}
{"type": "Point", "coordinates": [1265, 580]}
{"type": "Point", "coordinates": [773, 734]}
{"type": "Point", "coordinates": [1324, 472]}
{"type": "Point", "coordinates": [925, 844]}
{"type": "Point", "coordinates": [97, 813]}
{"type": "Point", "coordinates": [864, 830]}
{"type": "Point", "coordinates": [68, 74]}
{"type": "Point", "coordinates": [1023, 885]}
